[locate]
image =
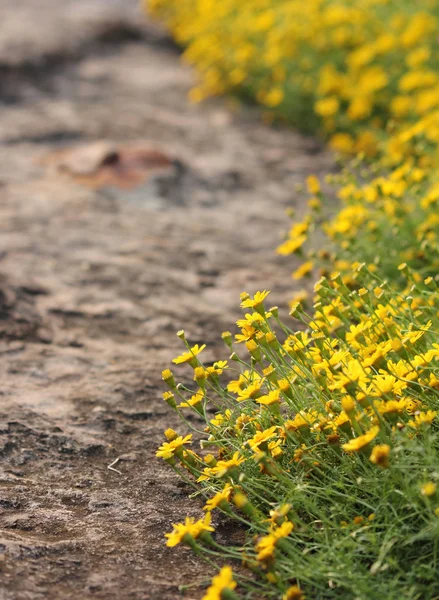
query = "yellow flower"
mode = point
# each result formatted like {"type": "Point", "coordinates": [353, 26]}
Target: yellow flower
{"type": "Point", "coordinates": [372, 79]}
{"type": "Point", "coordinates": [299, 228]}
{"type": "Point", "coordinates": [239, 384]}
{"type": "Point", "coordinates": [170, 399]}
{"type": "Point", "coordinates": [313, 185]}
{"type": "Point", "coordinates": [292, 245]}
{"type": "Point", "coordinates": [219, 498]}
{"type": "Point", "coordinates": [384, 384]}
{"type": "Point", "coordinates": [261, 437]}
{"type": "Point", "coordinates": [429, 489]}
{"type": "Point", "coordinates": [255, 302]}
{"type": "Point", "coordinates": [327, 107]}
{"type": "Point", "coordinates": [190, 527]}
{"type": "Point", "coordinates": [380, 455]}
{"type": "Point", "coordinates": [392, 407]}
{"type": "Point", "coordinates": [360, 108]}
{"type": "Point", "coordinates": [168, 378]}
{"type": "Point", "coordinates": [169, 449]}
{"type": "Point", "coordinates": [294, 593]}
{"type": "Point", "coordinates": [251, 319]}
{"type": "Point", "coordinates": [300, 422]}
{"type": "Point", "coordinates": [200, 376]}
{"type": "Point", "coordinates": [193, 401]}
{"type": "Point", "coordinates": [418, 56]}
{"type": "Point", "coordinates": [270, 398]}
{"type": "Point", "coordinates": [274, 97]}
{"type": "Point", "coordinates": [360, 442]}
{"type": "Point", "coordinates": [251, 392]}
{"type": "Point", "coordinates": [303, 270]}
{"type": "Point", "coordinates": [216, 369]}
{"type": "Point", "coordinates": [342, 142]}
{"type": "Point", "coordinates": [267, 544]}
{"type": "Point", "coordinates": [222, 467]}
{"type": "Point", "coordinates": [423, 418]}
{"type": "Point", "coordinates": [348, 404]}
{"type": "Point", "coordinates": [274, 448]}
{"type": "Point", "coordinates": [414, 336]}
{"type": "Point", "coordinates": [353, 373]}
{"type": "Point", "coordinates": [188, 357]}
{"type": "Point", "coordinates": [223, 582]}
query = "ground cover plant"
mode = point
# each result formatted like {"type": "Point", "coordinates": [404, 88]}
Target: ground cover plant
{"type": "Point", "coordinates": [327, 447]}
{"type": "Point", "coordinates": [324, 444]}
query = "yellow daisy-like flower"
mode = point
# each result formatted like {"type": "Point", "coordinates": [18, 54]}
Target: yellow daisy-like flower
{"type": "Point", "coordinates": [222, 467]}
{"type": "Point", "coordinates": [193, 401]}
{"type": "Point", "coordinates": [274, 448]}
{"type": "Point", "coordinates": [385, 384]}
{"type": "Point", "coordinates": [188, 357]}
{"type": "Point", "coordinates": [267, 544]}
{"type": "Point", "coordinates": [313, 185]}
{"type": "Point", "coordinates": [223, 582]}
{"type": "Point", "coordinates": [220, 418]}
{"type": "Point", "coordinates": [429, 489]}
{"type": "Point", "coordinates": [414, 336]}
{"type": "Point", "coordinates": [247, 333]}
{"type": "Point", "coordinates": [169, 449]}
{"type": "Point", "coordinates": [303, 270]}
{"type": "Point", "coordinates": [219, 498]}
{"type": "Point", "coordinates": [423, 418]}
{"type": "Point", "coordinates": [255, 302]}
{"type": "Point", "coordinates": [392, 407]}
{"type": "Point", "coordinates": [352, 373]}
{"type": "Point", "coordinates": [254, 319]}
{"type": "Point", "coordinates": [360, 442]}
{"type": "Point", "coordinates": [270, 398]}
{"type": "Point", "coordinates": [327, 107]}
{"type": "Point", "coordinates": [190, 527]}
{"type": "Point", "coordinates": [251, 392]}
{"type": "Point", "coordinates": [291, 246]}
{"type": "Point", "coordinates": [302, 420]}
{"type": "Point", "coordinates": [380, 455]}
{"type": "Point", "coordinates": [341, 421]}
{"type": "Point", "coordinates": [294, 593]}
{"type": "Point", "coordinates": [239, 384]}
{"type": "Point", "coordinates": [261, 437]}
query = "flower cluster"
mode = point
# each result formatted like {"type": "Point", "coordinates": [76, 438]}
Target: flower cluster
{"type": "Point", "coordinates": [351, 67]}
{"type": "Point", "coordinates": [326, 440]}
{"type": "Point", "coordinates": [364, 74]}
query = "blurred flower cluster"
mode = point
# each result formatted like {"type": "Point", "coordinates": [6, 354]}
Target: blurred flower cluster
{"type": "Point", "coordinates": [366, 75]}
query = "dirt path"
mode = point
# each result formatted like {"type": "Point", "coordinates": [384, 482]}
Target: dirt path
{"type": "Point", "coordinates": [94, 284]}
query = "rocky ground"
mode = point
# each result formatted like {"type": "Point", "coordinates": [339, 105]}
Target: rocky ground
{"type": "Point", "coordinates": [125, 214]}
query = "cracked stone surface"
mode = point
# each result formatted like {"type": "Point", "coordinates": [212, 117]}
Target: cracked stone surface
{"type": "Point", "coordinates": [95, 282]}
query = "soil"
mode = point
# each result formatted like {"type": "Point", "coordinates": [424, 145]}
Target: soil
{"type": "Point", "coordinates": [96, 276]}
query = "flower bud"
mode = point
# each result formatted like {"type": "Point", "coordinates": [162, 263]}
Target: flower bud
{"type": "Point", "coordinates": [169, 398]}
{"type": "Point", "coordinates": [171, 435]}
{"type": "Point", "coordinates": [254, 350]}
{"type": "Point", "coordinates": [227, 339]}
{"type": "Point", "coordinates": [168, 378]}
